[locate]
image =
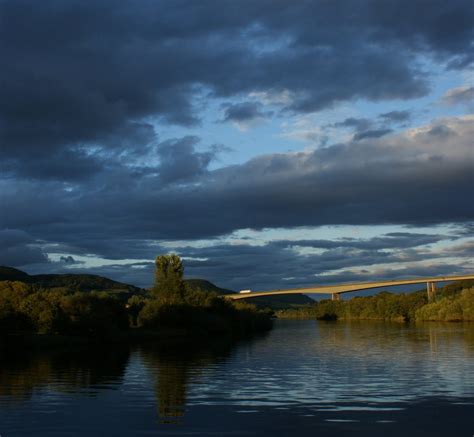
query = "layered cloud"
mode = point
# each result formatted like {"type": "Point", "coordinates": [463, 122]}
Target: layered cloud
{"type": "Point", "coordinates": [298, 263]}
{"type": "Point", "coordinates": [99, 102]}
{"type": "Point", "coordinates": [77, 74]}
{"type": "Point", "coordinates": [463, 95]}
{"type": "Point", "coordinates": [420, 176]}
{"type": "Point", "coordinates": [19, 248]}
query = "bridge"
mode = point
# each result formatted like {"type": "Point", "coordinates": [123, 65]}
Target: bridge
{"type": "Point", "coordinates": [336, 290]}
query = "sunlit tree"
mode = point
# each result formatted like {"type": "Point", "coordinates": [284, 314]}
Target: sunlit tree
{"type": "Point", "coordinates": [169, 284]}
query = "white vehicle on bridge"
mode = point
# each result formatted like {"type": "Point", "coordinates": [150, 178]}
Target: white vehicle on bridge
{"type": "Point", "coordinates": [336, 290]}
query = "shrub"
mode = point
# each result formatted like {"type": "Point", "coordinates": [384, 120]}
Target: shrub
{"type": "Point", "coordinates": [93, 313]}
{"type": "Point", "coordinates": [454, 307]}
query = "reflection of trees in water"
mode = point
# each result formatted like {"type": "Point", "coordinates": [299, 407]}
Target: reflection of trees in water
{"type": "Point", "coordinates": [358, 337]}
{"type": "Point", "coordinates": [448, 335]}
{"type": "Point", "coordinates": [63, 370]}
{"type": "Point", "coordinates": [171, 388]}
{"type": "Point", "coordinates": [173, 370]}
{"type": "Point", "coordinates": [381, 348]}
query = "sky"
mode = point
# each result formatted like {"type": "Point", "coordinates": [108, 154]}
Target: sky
{"type": "Point", "coordinates": [270, 144]}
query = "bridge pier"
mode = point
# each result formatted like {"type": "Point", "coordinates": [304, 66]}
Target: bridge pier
{"type": "Point", "coordinates": [431, 291]}
{"type": "Point", "coordinates": [335, 296]}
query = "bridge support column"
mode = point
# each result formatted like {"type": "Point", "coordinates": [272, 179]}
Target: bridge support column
{"type": "Point", "coordinates": [335, 296]}
{"type": "Point", "coordinates": [431, 290]}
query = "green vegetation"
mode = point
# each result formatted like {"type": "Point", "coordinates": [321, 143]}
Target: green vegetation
{"type": "Point", "coordinates": [454, 302]}
{"type": "Point", "coordinates": [27, 309]}
{"type": "Point", "coordinates": [88, 283]}
{"type": "Point", "coordinates": [71, 305]}
{"type": "Point", "coordinates": [175, 304]}
{"type": "Point", "coordinates": [452, 308]}
{"type": "Point", "coordinates": [169, 284]}
{"type": "Point", "coordinates": [71, 283]}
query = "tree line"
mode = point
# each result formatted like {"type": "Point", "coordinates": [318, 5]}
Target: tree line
{"type": "Point", "coordinates": [454, 302]}
{"type": "Point", "coordinates": [31, 308]}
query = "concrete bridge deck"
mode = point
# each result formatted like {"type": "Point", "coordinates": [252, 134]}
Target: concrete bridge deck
{"type": "Point", "coordinates": [336, 290]}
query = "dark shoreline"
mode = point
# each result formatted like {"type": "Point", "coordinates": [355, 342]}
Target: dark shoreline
{"type": "Point", "coordinates": [170, 337]}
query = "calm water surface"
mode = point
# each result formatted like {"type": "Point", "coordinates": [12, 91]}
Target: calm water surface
{"type": "Point", "coordinates": [303, 378]}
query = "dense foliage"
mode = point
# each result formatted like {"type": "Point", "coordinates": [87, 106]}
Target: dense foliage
{"type": "Point", "coordinates": [70, 282]}
{"type": "Point", "coordinates": [27, 307]}
{"type": "Point", "coordinates": [177, 304]}
{"type": "Point", "coordinates": [451, 308]}
{"type": "Point", "coordinates": [452, 303]}
{"type": "Point", "coordinates": [169, 284]}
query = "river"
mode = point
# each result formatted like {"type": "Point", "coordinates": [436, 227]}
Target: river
{"type": "Point", "coordinates": [302, 378]}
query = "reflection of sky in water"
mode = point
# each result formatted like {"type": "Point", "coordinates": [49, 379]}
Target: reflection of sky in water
{"type": "Point", "coordinates": [357, 365]}
{"type": "Point", "coordinates": [339, 373]}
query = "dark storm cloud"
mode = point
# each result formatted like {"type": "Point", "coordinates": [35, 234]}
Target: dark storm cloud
{"type": "Point", "coordinates": [374, 133]}
{"type": "Point", "coordinates": [395, 116]}
{"type": "Point", "coordinates": [429, 25]}
{"type": "Point", "coordinates": [244, 112]}
{"type": "Point", "coordinates": [394, 179]}
{"type": "Point", "coordinates": [63, 165]}
{"type": "Point", "coordinates": [180, 161]}
{"type": "Point", "coordinates": [366, 128]}
{"type": "Point", "coordinates": [69, 260]}
{"type": "Point", "coordinates": [19, 249]}
{"type": "Point", "coordinates": [76, 73]}
{"type": "Point", "coordinates": [73, 162]}
{"type": "Point", "coordinates": [421, 177]}
{"type": "Point", "coordinates": [85, 85]}
{"type": "Point", "coordinates": [358, 124]}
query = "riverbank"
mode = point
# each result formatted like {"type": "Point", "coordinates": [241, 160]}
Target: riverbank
{"type": "Point", "coordinates": [55, 317]}
{"type": "Point", "coordinates": [170, 338]}
{"type": "Point", "coordinates": [449, 306]}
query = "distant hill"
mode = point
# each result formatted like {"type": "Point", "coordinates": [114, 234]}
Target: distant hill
{"type": "Point", "coordinates": [82, 282]}
{"type": "Point", "coordinates": [11, 274]}
{"type": "Point", "coordinates": [456, 287]}
{"type": "Point", "coordinates": [75, 282]}
{"type": "Point", "coordinates": [202, 284]}
{"type": "Point", "coordinates": [273, 302]}
{"type": "Point", "coordinates": [280, 302]}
